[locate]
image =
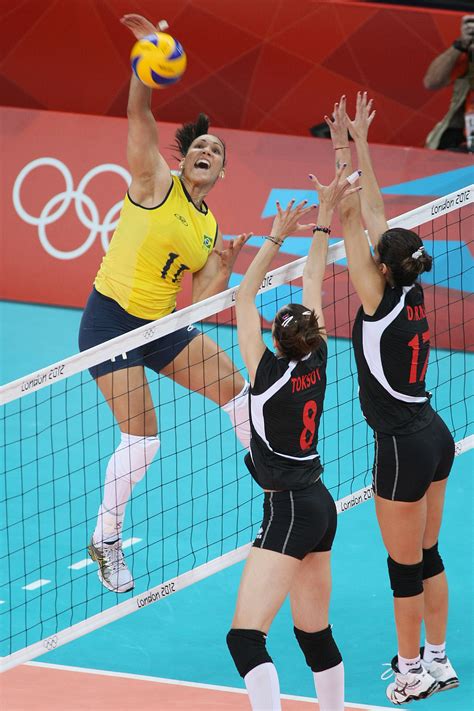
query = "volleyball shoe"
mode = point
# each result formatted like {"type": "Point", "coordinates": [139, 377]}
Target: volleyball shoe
{"type": "Point", "coordinates": [441, 670]}
{"type": "Point", "coordinates": [113, 572]}
{"type": "Point", "coordinates": [417, 684]}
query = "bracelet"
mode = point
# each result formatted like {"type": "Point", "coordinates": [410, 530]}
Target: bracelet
{"type": "Point", "coordinates": [279, 242]}
{"type": "Point", "coordinates": [340, 148]}
{"type": "Point", "coordinates": [318, 228]}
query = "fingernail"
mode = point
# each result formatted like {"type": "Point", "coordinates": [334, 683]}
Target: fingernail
{"type": "Point", "coordinates": [344, 165]}
{"type": "Point", "coordinates": [360, 172]}
{"type": "Point", "coordinates": [311, 176]}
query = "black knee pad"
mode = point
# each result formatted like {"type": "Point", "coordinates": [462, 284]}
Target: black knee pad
{"type": "Point", "coordinates": [405, 580]}
{"type": "Point", "coordinates": [319, 648]}
{"type": "Point", "coordinates": [248, 649]}
{"type": "Point", "coordinates": [432, 562]}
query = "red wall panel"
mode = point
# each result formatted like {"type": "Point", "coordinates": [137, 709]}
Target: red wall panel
{"type": "Point", "coordinates": [52, 210]}
{"type": "Point", "coordinates": [253, 64]}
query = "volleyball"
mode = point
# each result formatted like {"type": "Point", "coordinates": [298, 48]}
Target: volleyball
{"type": "Point", "coordinates": [158, 60]}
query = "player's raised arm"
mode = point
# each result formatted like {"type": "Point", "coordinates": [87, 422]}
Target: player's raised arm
{"type": "Point", "coordinates": [313, 273]}
{"type": "Point", "coordinates": [249, 330]}
{"type": "Point", "coordinates": [364, 273]}
{"type": "Point", "coordinates": [151, 177]}
{"type": "Point", "coordinates": [373, 211]}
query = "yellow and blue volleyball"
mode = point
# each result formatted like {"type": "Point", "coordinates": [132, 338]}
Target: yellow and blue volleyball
{"type": "Point", "coordinates": [158, 60]}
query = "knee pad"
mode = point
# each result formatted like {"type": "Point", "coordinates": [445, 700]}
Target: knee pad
{"type": "Point", "coordinates": [139, 452]}
{"type": "Point", "coordinates": [432, 562]}
{"type": "Point", "coordinates": [248, 650]}
{"type": "Point", "coordinates": [319, 648]}
{"type": "Point", "coordinates": [405, 580]}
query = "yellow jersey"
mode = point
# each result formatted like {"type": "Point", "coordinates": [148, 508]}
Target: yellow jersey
{"type": "Point", "coordinates": [152, 248]}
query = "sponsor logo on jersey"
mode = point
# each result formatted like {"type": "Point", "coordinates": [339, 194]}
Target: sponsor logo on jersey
{"type": "Point", "coordinates": [181, 219]}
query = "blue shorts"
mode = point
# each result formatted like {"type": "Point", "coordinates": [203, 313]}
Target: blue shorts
{"type": "Point", "coordinates": [104, 318]}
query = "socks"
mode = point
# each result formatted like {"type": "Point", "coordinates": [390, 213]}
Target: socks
{"type": "Point", "coordinates": [433, 651]}
{"type": "Point", "coordinates": [238, 411]}
{"type": "Point", "coordinates": [263, 688]}
{"type": "Point", "coordinates": [329, 686]}
{"type": "Point", "coordinates": [126, 467]}
{"type": "Point", "coordinates": [408, 665]}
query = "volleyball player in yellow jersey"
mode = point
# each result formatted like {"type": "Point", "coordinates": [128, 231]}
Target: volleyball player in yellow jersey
{"type": "Point", "coordinates": [165, 229]}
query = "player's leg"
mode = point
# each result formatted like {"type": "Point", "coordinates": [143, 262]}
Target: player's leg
{"type": "Point", "coordinates": [266, 580]}
{"type": "Point", "coordinates": [128, 396]}
{"type": "Point", "coordinates": [435, 582]}
{"type": "Point", "coordinates": [284, 539]}
{"type": "Point", "coordinates": [402, 525]}
{"type": "Point", "coordinates": [310, 595]}
{"type": "Point", "coordinates": [205, 368]}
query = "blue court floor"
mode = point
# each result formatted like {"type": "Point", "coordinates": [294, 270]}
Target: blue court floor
{"type": "Point", "coordinates": [183, 637]}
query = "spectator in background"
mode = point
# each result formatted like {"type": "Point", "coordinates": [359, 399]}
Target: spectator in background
{"type": "Point", "coordinates": [455, 66]}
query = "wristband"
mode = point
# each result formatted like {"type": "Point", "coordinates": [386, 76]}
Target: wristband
{"type": "Point", "coordinates": [279, 242]}
{"type": "Point", "coordinates": [318, 228]}
{"type": "Point", "coordinates": [340, 148]}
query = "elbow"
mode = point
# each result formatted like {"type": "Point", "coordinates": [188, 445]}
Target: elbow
{"type": "Point", "coordinates": [431, 84]}
{"type": "Point", "coordinates": [138, 109]}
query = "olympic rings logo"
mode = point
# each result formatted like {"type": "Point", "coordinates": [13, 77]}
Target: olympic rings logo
{"type": "Point", "coordinates": [51, 642]}
{"type": "Point", "coordinates": [62, 201]}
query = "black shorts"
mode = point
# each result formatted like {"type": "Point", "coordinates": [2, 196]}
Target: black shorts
{"type": "Point", "coordinates": [298, 522]}
{"type": "Point", "coordinates": [405, 465]}
{"type": "Point", "coordinates": [104, 318]}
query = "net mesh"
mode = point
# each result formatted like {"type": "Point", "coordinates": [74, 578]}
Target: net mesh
{"type": "Point", "coordinates": [197, 502]}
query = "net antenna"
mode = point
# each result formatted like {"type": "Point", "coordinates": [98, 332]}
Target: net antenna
{"type": "Point", "coordinates": [197, 508]}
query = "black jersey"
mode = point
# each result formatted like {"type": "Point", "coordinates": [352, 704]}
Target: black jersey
{"type": "Point", "coordinates": [391, 350]}
{"type": "Point", "coordinates": [286, 402]}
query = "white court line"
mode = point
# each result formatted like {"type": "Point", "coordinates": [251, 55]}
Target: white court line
{"type": "Point", "coordinates": [81, 564]}
{"type": "Point", "coordinates": [36, 584]}
{"type": "Point", "coordinates": [130, 542]}
{"type": "Point", "coordinates": [87, 561]}
{"type": "Point", "coordinates": [176, 682]}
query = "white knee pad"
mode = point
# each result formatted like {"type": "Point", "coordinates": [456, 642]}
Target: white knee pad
{"type": "Point", "coordinates": [138, 453]}
{"type": "Point", "coordinates": [238, 411]}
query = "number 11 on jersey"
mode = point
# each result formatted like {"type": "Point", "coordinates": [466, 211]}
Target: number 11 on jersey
{"type": "Point", "coordinates": [415, 344]}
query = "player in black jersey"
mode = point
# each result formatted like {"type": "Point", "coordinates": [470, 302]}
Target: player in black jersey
{"type": "Point", "coordinates": [291, 553]}
{"type": "Point", "coordinates": [414, 449]}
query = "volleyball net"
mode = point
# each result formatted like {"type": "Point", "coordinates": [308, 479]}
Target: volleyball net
{"type": "Point", "coordinates": [196, 510]}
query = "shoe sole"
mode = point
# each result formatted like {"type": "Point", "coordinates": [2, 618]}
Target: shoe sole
{"type": "Point", "coordinates": [429, 692]}
{"type": "Point", "coordinates": [104, 582]}
{"type": "Point", "coordinates": [107, 585]}
{"type": "Point", "coordinates": [447, 685]}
